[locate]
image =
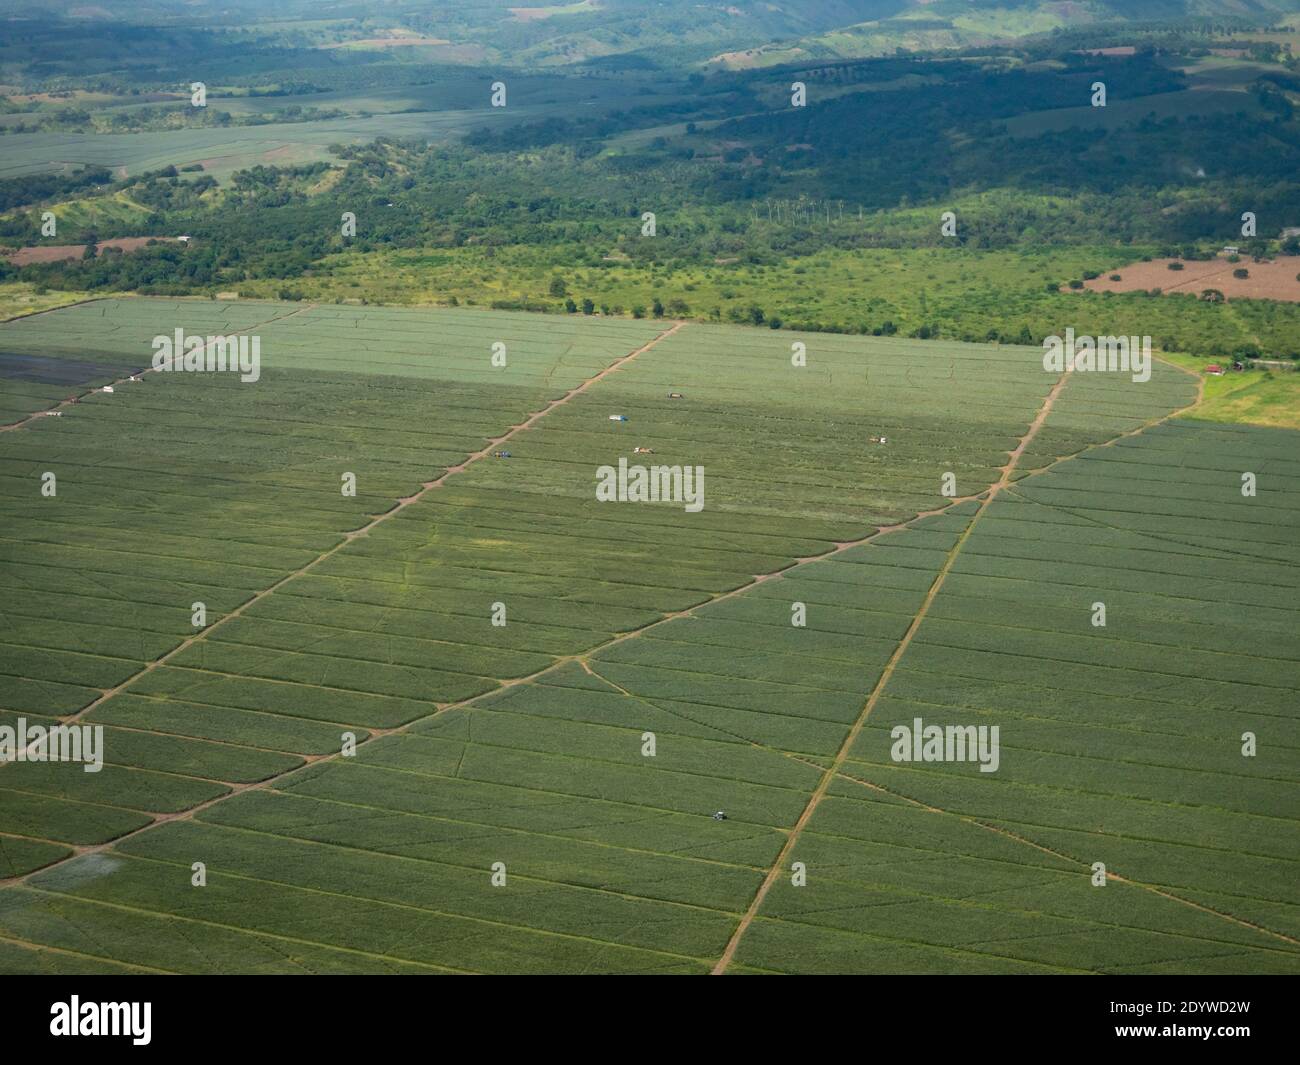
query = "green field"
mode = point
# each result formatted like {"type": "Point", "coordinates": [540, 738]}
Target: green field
{"type": "Point", "coordinates": [520, 748]}
{"type": "Point", "coordinates": [434, 113]}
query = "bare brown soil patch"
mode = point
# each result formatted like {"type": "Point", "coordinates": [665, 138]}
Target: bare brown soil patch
{"type": "Point", "coordinates": [57, 253]}
{"type": "Point", "coordinates": [737, 60]}
{"type": "Point", "coordinates": [1274, 280]}
{"type": "Point", "coordinates": [389, 42]}
{"type": "Point", "coordinates": [537, 14]}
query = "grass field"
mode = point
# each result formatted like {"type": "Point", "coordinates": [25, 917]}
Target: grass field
{"type": "Point", "coordinates": [18, 298]}
{"type": "Point", "coordinates": [520, 749]}
{"type": "Point", "coordinates": [1264, 397]}
{"type": "Point", "coordinates": [96, 212]}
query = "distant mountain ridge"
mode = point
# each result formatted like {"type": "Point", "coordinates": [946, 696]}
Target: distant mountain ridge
{"type": "Point", "coordinates": [631, 33]}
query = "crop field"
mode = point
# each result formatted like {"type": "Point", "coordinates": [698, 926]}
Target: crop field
{"type": "Point", "coordinates": [1126, 745]}
{"type": "Point", "coordinates": [474, 719]}
{"type": "Point", "coordinates": [438, 113]}
{"type": "Point", "coordinates": [1120, 113]}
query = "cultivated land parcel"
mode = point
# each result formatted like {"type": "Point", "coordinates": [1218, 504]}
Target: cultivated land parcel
{"type": "Point", "coordinates": [522, 744]}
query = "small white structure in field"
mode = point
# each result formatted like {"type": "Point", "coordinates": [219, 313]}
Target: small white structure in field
{"type": "Point", "coordinates": [618, 417]}
{"type": "Point", "coordinates": [107, 388]}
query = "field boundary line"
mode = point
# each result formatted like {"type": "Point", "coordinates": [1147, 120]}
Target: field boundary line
{"type": "Point", "coordinates": [527, 423]}
{"type": "Point", "coordinates": [830, 773]}
{"type": "Point", "coordinates": [493, 922]}
{"type": "Point", "coordinates": [256, 933]}
{"type": "Point", "coordinates": [796, 756]}
{"type": "Point", "coordinates": [999, 830]}
{"type": "Point", "coordinates": [354, 534]}
{"type": "Point", "coordinates": [1070, 859]}
{"type": "Point", "coordinates": [60, 307]}
{"type": "Point", "coordinates": [48, 411]}
{"type": "Point", "coordinates": [1219, 552]}
{"type": "Point", "coordinates": [479, 825]}
{"type": "Point", "coordinates": [398, 506]}
{"type": "Point", "coordinates": [1150, 423]}
{"type": "Point", "coordinates": [82, 956]}
{"type": "Point", "coordinates": [1202, 908]}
